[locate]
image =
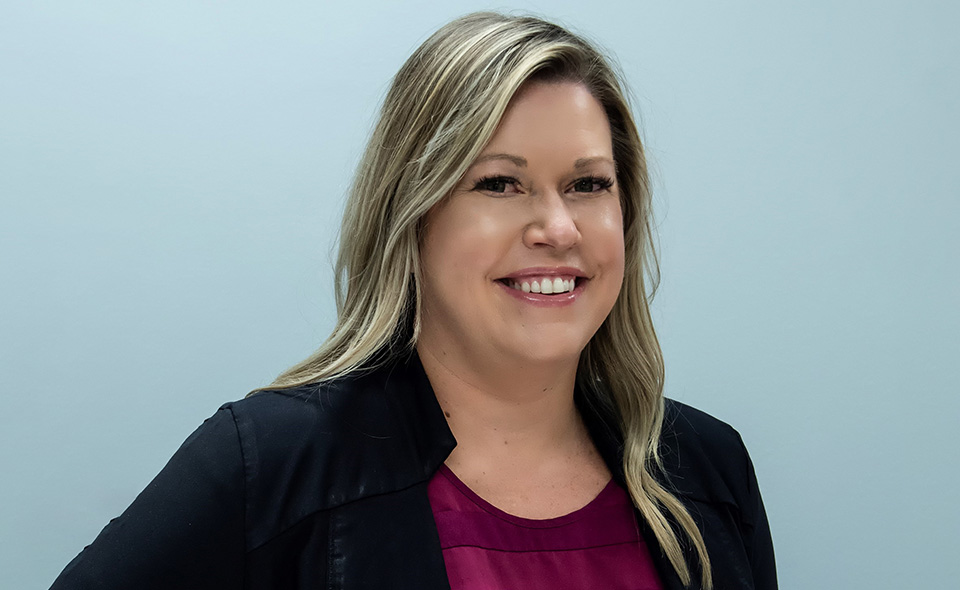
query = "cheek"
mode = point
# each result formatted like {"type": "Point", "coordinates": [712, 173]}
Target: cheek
{"type": "Point", "coordinates": [603, 234]}
{"type": "Point", "coordinates": [466, 236]}
{"type": "Point", "coordinates": [610, 254]}
{"type": "Point", "coordinates": [617, 261]}
{"type": "Point", "coordinates": [464, 243]}
{"type": "Point", "coordinates": [614, 226]}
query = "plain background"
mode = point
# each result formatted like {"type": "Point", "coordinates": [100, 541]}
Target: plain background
{"type": "Point", "coordinates": [172, 175]}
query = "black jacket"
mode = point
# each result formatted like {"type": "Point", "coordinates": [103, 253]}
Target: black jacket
{"type": "Point", "coordinates": [325, 486]}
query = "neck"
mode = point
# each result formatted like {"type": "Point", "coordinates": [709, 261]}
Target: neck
{"type": "Point", "coordinates": [505, 414]}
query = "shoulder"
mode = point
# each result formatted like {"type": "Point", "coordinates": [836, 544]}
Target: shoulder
{"type": "Point", "coordinates": [385, 410]}
{"type": "Point", "coordinates": [329, 411]}
{"type": "Point", "coordinates": [707, 465]}
{"type": "Point", "coordinates": [325, 429]}
{"type": "Point", "coordinates": [689, 426]}
{"type": "Point", "coordinates": [317, 447]}
{"type": "Point", "coordinates": [704, 458]}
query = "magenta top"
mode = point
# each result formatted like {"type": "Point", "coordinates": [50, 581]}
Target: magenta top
{"type": "Point", "coordinates": [484, 548]}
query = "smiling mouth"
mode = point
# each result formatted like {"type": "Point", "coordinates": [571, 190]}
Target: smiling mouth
{"type": "Point", "coordinates": [542, 285]}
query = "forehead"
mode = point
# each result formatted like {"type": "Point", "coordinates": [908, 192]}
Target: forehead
{"type": "Point", "coordinates": [560, 118]}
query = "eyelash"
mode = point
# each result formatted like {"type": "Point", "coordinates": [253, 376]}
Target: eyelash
{"type": "Point", "coordinates": [603, 182]}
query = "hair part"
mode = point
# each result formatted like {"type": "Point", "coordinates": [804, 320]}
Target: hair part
{"type": "Point", "coordinates": [441, 110]}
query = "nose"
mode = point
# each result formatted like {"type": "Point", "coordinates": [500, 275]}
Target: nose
{"type": "Point", "coordinates": [552, 223]}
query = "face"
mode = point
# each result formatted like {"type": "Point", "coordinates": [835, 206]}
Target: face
{"type": "Point", "coordinates": [524, 260]}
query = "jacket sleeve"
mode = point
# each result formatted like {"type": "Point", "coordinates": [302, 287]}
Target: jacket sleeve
{"type": "Point", "coordinates": [185, 530]}
{"type": "Point", "coordinates": [758, 541]}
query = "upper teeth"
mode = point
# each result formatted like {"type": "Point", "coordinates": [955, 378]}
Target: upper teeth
{"type": "Point", "coordinates": [545, 285]}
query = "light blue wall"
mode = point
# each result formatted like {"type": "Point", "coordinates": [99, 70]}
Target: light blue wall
{"type": "Point", "coordinates": [171, 175]}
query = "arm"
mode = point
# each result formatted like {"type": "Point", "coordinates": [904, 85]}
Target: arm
{"type": "Point", "coordinates": [758, 542]}
{"type": "Point", "coordinates": [185, 530]}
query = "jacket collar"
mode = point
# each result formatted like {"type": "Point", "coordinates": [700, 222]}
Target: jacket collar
{"type": "Point", "coordinates": [426, 426]}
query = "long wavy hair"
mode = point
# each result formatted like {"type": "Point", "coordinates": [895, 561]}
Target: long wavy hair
{"type": "Point", "coordinates": [441, 110]}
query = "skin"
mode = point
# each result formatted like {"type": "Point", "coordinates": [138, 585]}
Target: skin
{"type": "Point", "coordinates": [542, 195]}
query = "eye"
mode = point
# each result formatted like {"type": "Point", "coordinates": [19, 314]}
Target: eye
{"type": "Point", "coordinates": [591, 184]}
{"type": "Point", "coordinates": [497, 184]}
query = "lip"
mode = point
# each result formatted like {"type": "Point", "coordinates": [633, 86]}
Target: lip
{"type": "Point", "coordinates": [540, 300]}
{"type": "Point", "coordinates": [563, 272]}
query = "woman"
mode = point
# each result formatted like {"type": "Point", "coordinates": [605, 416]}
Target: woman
{"type": "Point", "coordinates": [488, 411]}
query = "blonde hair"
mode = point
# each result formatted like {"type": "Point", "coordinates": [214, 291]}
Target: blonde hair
{"type": "Point", "coordinates": [441, 110]}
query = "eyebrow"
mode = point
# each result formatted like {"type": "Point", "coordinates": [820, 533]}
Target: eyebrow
{"type": "Point", "coordinates": [584, 162]}
{"type": "Point", "coordinates": [522, 162]}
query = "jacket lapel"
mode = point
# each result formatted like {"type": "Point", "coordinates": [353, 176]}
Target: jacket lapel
{"type": "Point", "coordinates": [386, 537]}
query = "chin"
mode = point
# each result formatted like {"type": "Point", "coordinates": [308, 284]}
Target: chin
{"type": "Point", "coordinates": [549, 349]}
